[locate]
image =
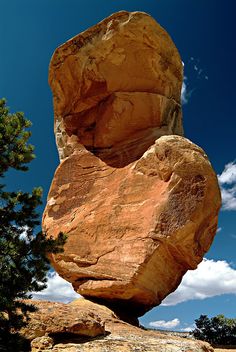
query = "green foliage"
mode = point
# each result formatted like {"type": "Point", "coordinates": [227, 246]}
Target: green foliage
{"type": "Point", "coordinates": [14, 150]}
{"type": "Point", "coordinates": [23, 253]}
{"type": "Point", "coordinates": [217, 330]}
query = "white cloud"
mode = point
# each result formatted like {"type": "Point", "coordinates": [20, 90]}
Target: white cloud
{"type": "Point", "coordinates": [165, 324]}
{"type": "Point", "coordinates": [58, 290]}
{"type": "Point", "coordinates": [228, 198]}
{"type": "Point", "coordinates": [228, 176]}
{"type": "Point", "coordinates": [197, 73]}
{"type": "Point", "coordinates": [188, 328]}
{"type": "Point", "coordinates": [227, 181]}
{"type": "Point", "coordinates": [185, 93]}
{"type": "Point", "coordinates": [195, 63]}
{"type": "Point", "coordinates": [219, 229]}
{"type": "Point", "coordinates": [211, 278]}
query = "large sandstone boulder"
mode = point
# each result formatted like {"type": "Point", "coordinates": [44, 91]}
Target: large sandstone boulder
{"type": "Point", "coordinates": [138, 204]}
{"type": "Point", "coordinates": [116, 87]}
{"type": "Point", "coordinates": [133, 231]}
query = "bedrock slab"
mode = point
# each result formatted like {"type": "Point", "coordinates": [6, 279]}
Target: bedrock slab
{"type": "Point", "coordinates": [119, 336]}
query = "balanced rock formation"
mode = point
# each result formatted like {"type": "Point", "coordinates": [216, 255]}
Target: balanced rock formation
{"type": "Point", "coordinates": [138, 201]}
{"type": "Point", "coordinates": [118, 336]}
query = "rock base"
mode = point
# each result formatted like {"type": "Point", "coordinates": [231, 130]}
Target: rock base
{"type": "Point", "coordinates": [95, 328]}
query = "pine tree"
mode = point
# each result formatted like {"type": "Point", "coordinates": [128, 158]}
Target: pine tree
{"type": "Point", "coordinates": [23, 253]}
{"type": "Point", "coordinates": [217, 330]}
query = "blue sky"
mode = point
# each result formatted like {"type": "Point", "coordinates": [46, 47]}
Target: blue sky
{"type": "Point", "coordinates": [204, 32]}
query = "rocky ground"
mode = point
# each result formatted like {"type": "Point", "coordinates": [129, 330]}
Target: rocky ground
{"type": "Point", "coordinates": [84, 326]}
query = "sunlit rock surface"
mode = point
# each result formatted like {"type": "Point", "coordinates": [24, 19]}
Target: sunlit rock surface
{"type": "Point", "coordinates": [119, 336]}
{"type": "Point", "coordinates": [138, 202]}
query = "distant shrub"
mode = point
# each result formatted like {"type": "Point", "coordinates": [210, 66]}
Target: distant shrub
{"type": "Point", "coordinates": [218, 330]}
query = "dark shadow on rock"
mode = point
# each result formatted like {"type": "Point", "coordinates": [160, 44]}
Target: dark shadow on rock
{"type": "Point", "coordinates": [74, 338]}
{"type": "Point", "coordinates": [126, 311]}
{"type": "Point", "coordinates": [225, 347]}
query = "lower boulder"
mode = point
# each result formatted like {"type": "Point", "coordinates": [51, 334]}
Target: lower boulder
{"type": "Point", "coordinates": [133, 231]}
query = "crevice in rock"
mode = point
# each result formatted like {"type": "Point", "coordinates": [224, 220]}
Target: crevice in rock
{"type": "Point", "coordinates": [66, 337]}
{"type": "Point", "coordinates": [127, 310]}
{"type": "Point", "coordinates": [104, 128]}
{"type": "Point", "coordinates": [84, 279]}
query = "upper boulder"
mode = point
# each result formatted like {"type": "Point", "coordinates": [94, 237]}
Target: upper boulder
{"type": "Point", "coordinates": [117, 86]}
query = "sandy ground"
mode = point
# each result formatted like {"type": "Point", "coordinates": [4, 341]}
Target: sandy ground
{"type": "Point", "coordinates": [224, 350]}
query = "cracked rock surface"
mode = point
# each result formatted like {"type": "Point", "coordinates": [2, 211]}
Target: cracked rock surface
{"type": "Point", "coordinates": [138, 201]}
{"type": "Point", "coordinates": [116, 88]}
{"type": "Point", "coordinates": [118, 336]}
{"type": "Point", "coordinates": [53, 318]}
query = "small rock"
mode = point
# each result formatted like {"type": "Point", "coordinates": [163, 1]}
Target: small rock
{"type": "Point", "coordinates": [44, 343]}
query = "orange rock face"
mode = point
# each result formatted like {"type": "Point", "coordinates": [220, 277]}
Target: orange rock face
{"type": "Point", "coordinates": [138, 204]}
{"type": "Point", "coordinates": [116, 336]}
{"type": "Point", "coordinates": [52, 318]}
{"type": "Point", "coordinates": [116, 88]}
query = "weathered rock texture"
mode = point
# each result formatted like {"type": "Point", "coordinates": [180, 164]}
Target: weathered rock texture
{"type": "Point", "coordinates": [54, 319]}
{"type": "Point", "coordinates": [119, 336]}
{"type": "Point", "coordinates": [116, 87]}
{"type": "Point", "coordinates": [138, 212]}
{"type": "Point", "coordinates": [133, 231]}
